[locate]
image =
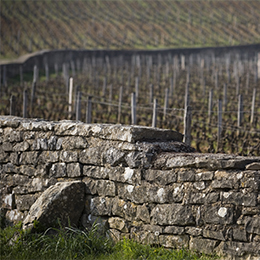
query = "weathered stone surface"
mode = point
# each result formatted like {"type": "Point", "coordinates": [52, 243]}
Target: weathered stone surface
{"type": "Point", "coordinates": [101, 206]}
{"type": "Point", "coordinates": [172, 214]}
{"type": "Point", "coordinates": [218, 214]}
{"type": "Point", "coordinates": [239, 198]}
{"type": "Point", "coordinates": [91, 155]}
{"type": "Point", "coordinates": [24, 202]}
{"type": "Point", "coordinates": [204, 176]}
{"type": "Point", "coordinates": [125, 175]}
{"type": "Point", "coordinates": [118, 223]}
{"type": "Point", "coordinates": [58, 170]}
{"type": "Point", "coordinates": [142, 213]}
{"type": "Point", "coordinates": [29, 158]}
{"type": "Point", "coordinates": [63, 201]}
{"type": "Point", "coordinates": [144, 193]}
{"type": "Point", "coordinates": [98, 172]}
{"type": "Point", "coordinates": [253, 166]}
{"type": "Point", "coordinates": [214, 232]}
{"type": "Point", "coordinates": [14, 216]}
{"type": "Point", "coordinates": [174, 230]}
{"type": "Point", "coordinates": [174, 241]}
{"type": "Point", "coordinates": [159, 176]}
{"type": "Point", "coordinates": [240, 234]}
{"type": "Point", "coordinates": [194, 231]}
{"type": "Point", "coordinates": [74, 142]}
{"type": "Point", "coordinates": [113, 156]}
{"type": "Point", "coordinates": [69, 156]}
{"type": "Point", "coordinates": [139, 159]}
{"type": "Point", "coordinates": [74, 169]}
{"type": "Point", "coordinates": [203, 245]}
{"type": "Point", "coordinates": [253, 225]}
{"type": "Point", "coordinates": [106, 188]}
{"type": "Point", "coordinates": [7, 201]}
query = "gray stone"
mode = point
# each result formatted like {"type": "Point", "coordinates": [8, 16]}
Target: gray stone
{"type": "Point", "coordinates": [142, 213]}
{"type": "Point", "coordinates": [172, 214]}
{"type": "Point", "coordinates": [69, 156]}
{"type": "Point", "coordinates": [29, 158]}
{"type": "Point", "coordinates": [118, 223]}
{"type": "Point", "coordinates": [7, 147]}
{"type": "Point", "coordinates": [106, 188]}
{"type": "Point", "coordinates": [193, 231]}
{"type": "Point", "coordinates": [222, 184]}
{"type": "Point", "coordinates": [203, 245]}
{"type": "Point", "coordinates": [24, 202]}
{"type": "Point", "coordinates": [197, 198]}
{"type": "Point", "coordinates": [91, 155]}
{"type": "Point", "coordinates": [240, 234]}
{"type": "Point", "coordinates": [178, 242]}
{"type": "Point", "coordinates": [101, 206]}
{"type": "Point", "coordinates": [213, 232]}
{"type": "Point", "coordinates": [125, 175]}
{"type": "Point", "coordinates": [14, 216]}
{"type": "Point", "coordinates": [58, 170]}
{"type": "Point", "coordinates": [253, 225]}
{"type": "Point", "coordinates": [74, 142]}
{"type": "Point", "coordinates": [63, 201]}
{"type": "Point", "coordinates": [253, 166]}
{"type": "Point", "coordinates": [174, 230]}
{"type": "Point", "coordinates": [74, 170]}
{"type": "Point", "coordinates": [218, 214]}
{"type": "Point", "coordinates": [239, 198]}
{"type": "Point", "coordinates": [98, 172]}
{"type": "Point", "coordinates": [204, 176]}
{"type": "Point", "coordinates": [161, 177]}
{"type": "Point", "coordinates": [113, 156]}
{"type": "Point", "coordinates": [48, 157]}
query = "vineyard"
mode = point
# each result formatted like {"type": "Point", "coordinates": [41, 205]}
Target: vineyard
{"type": "Point", "coordinates": [221, 92]}
{"type": "Point", "coordinates": [29, 26]}
{"type": "Point", "coordinates": [213, 99]}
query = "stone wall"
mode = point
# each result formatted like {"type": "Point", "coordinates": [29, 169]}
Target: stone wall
{"type": "Point", "coordinates": [141, 182]}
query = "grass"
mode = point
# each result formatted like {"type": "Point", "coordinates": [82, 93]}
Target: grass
{"type": "Point", "coordinates": [72, 243]}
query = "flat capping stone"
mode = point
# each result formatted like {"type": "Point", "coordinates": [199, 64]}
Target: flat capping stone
{"type": "Point", "coordinates": [117, 132]}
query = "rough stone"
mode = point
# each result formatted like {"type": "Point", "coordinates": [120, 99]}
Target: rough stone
{"type": "Point", "coordinates": [174, 241]}
{"type": "Point", "coordinates": [101, 206]}
{"type": "Point", "coordinates": [160, 177]}
{"type": "Point", "coordinates": [98, 172]}
{"type": "Point", "coordinates": [172, 214]}
{"type": "Point", "coordinates": [91, 156]}
{"type": "Point", "coordinates": [203, 245]}
{"type": "Point", "coordinates": [14, 216]}
{"type": "Point", "coordinates": [58, 170]}
{"type": "Point", "coordinates": [253, 225]}
{"type": "Point", "coordinates": [63, 201]}
{"type": "Point", "coordinates": [24, 202]}
{"type": "Point", "coordinates": [74, 169]}
{"type": "Point", "coordinates": [125, 175]}
{"type": "Point", "coordinates": [253, 166]}
{"type": "Point", "coordinates": [118, 223]}
{"type": "Point", "coordinates": [142, 213]}
{"type": "Point", "coordinates": [113, 156]}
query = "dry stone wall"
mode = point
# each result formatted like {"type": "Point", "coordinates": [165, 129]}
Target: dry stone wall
{"type": "Point", "coordinates": [142, 183]}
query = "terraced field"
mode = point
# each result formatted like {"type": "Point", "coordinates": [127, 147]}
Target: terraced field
{"type": "Point", "coordinates": [28, 26]}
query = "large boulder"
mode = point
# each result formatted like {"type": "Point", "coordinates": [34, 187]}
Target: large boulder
{"type": "Point", "coordinates": [61, 204]}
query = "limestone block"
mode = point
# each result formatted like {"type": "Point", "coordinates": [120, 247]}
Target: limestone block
{"type": "Point", "coordinates": [218, 214]}
{"type": "Point", "coordinates": [14, 179]}
{"type": "Point", "coordinates": [197, 198]}
{"type": "Point", "coordinates": [24, 202]}
{"type": "Point", "coordinates": [91, 185]}
{"type": "Point", "coordinates": [203, 245]}
{"type": "Point", "coordinates": [14, 158]}
{"type": "Point", "coordinates": [174, 230]}
{"type": "Point", "coordinates": [172, 214]}
{"type": "Point", "coordinates": [58, 170]}
{"type": "Point", "coordinates": [252, 184]}
{"type": "Point", "coordinates": [118, 223]}
{"type": "Point", "coordinates": [91, 155]}
{"type": "Point", "coordinates": [139, 159]}
{"type": "Point", "coordinates": [170, 241]}
{"type": "Point", "coordinates": [69, 156]}
{"type": "Point", "coordinates": [28, 170]}
{"type": "Point", "coordinates": [146, 237]}
{"type": "Point", "coordinates": [177, 194]}
{"type": "Point", "coordinates": [98, 172]}
{"type": "Point", "coordinates": [125, 175]}
{"type": "Point", "coordinates": [32, 186]}
{"type": "Point", "coordinates": [238, 249]}
{"type": "Point", "coordinates": [14, 216]}
{"type": "Point", "coordinates": [29, 158]}
{"type": "Point", "coordinates": [10, 168]}
{"type": "Point", "coordinates": [214, 232]}
{"type": "Point", "coordinates": [130, 210]}
{"type": "Point", "coordinates": [74, 169]}
{"type": "Point", "coordinates": [7, 201]}
{"type": "Point", "coordinates": [239, 198]}
{"type": "Point", "coordinates": [186, 175]}
{"type": "Point", "coordinates": [199, 185]}
{"type": "Point", "coordinates": [63, 201]}
{"type": "Point", "coordinates": [106, 188]}
{"type": "Point", "coordinates": [9, 121]}
{"type": "Point", "coordinates": [7, 147]}
{"type": "Point", "coordinates": [142, 213]}
{"type": "Point", "coordinates": [101, 206]}
{"type": "Point", "coordinates": [222, 184]}
{"type": "Point", "coordinates": [74, 142]}
{"type": "Point", "coordinates": [212, 197]}
{"type": "Point", "coordinates": [240, 234]}
{"type": "Point", "coordinates": [253, 225]}
{"type": "Point", "coordinates": [193, 231]}
{"type": "Point", "coordinates": [3, 156]}
{"type": "Point", "coordinates": [253, 166]}
{"type": "Point", "coordinates": [113, 156]}
{"type": "Point", "coordinates": [118, 207]}
{"type": "Point", "coordinates": [204, 176]}
{"type": "Point", "coordinates": [160, 177]}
